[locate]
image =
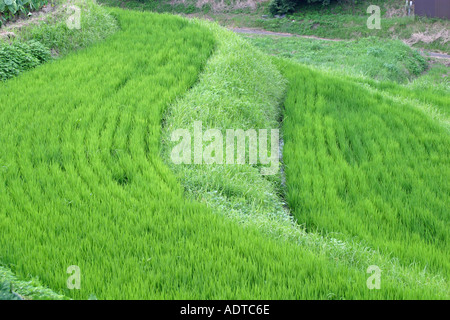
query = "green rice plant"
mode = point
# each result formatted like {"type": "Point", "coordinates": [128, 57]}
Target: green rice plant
{"type": "Point", "coordinates": [361, 164]}
{"type": "Point", "coordinates": [434, 95]}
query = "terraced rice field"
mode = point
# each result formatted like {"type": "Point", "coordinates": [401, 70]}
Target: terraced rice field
{"type": "Point", "coordinates": [363, 165]}
{"type": "Point", "coordinates": [83, 177]}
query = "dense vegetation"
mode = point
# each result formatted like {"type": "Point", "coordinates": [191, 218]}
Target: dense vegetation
{"type": "Point", "coordinates": [21, 56]}
{"type": "Point", "coordinates": [82, 182]}
{"type": "Point", "coordinates": [66, 164]}
{"type": "Point", "coordinates": [10, 8]}
{"type": "Point", "coordinates": [86, 177]}
{"type": "Point", "coordinates": [288, 6]}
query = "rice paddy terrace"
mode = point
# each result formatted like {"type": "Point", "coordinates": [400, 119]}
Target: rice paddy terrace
{"type": "Point", "coordinates": [83, 180]}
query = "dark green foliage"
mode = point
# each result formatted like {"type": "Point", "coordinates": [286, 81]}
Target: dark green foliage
{"type": "Point", "coordinates": [281, 6]}
{"type": "Point", "coordinates": [288, 6]}
{"type": "Point", "coordinates": [6, 292]}
{"type": "Point", "coordinates": [21, 56]}
{"type": "Point", "coordinates": [10, 8]}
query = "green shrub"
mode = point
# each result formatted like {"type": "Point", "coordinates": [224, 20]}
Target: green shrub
{"type": "Point", "coordinates": [281, 6]}
{"type": "Point", "coordinates": [21, 56]}
{"type": "Point", "coordinates": [288, 6]}
{"type": "Point", "coordinates": [6, 292]}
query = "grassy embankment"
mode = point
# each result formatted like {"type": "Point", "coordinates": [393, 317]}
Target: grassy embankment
{"type": "Point", "coordinates": [388, 67]}
{"type": "Point", "coordinates": [371, 58]}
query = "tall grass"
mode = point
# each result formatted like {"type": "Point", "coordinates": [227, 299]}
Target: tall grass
{"type": "Point", "coordinates": [383, 60]}
{"type": "Point", "coordinates": [96, 24]}
{"type": "Point", "coordinates": [360, 164]}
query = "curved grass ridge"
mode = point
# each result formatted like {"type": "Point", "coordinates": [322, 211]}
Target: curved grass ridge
{"type": "Point", "coordinates": [239, 192]}
{"type": "Point", "coordinates": [239, 89]}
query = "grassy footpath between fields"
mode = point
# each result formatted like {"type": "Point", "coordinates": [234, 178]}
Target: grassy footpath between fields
{"type": "Point", "coordinates": [82, 182]}
{"type": "Point", "coordinates": [359, 164]}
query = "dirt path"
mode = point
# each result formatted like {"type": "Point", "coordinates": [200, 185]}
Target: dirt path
{"type": "Point", "coordinates": [280, 34]}
{"type": "Point", "coordinates": [436, 55]}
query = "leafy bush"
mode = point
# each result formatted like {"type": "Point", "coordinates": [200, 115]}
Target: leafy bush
{"type": "Point", "coordinates": [5, 290]}
{"type": "Point", "coordinates": [281, 6]}
{"type": "Point", "coordinates": [9, 8]}
{"type": "Point", "coordinates": [21, 56]}
{"type": "Point", "coordinates": [287, 6]}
